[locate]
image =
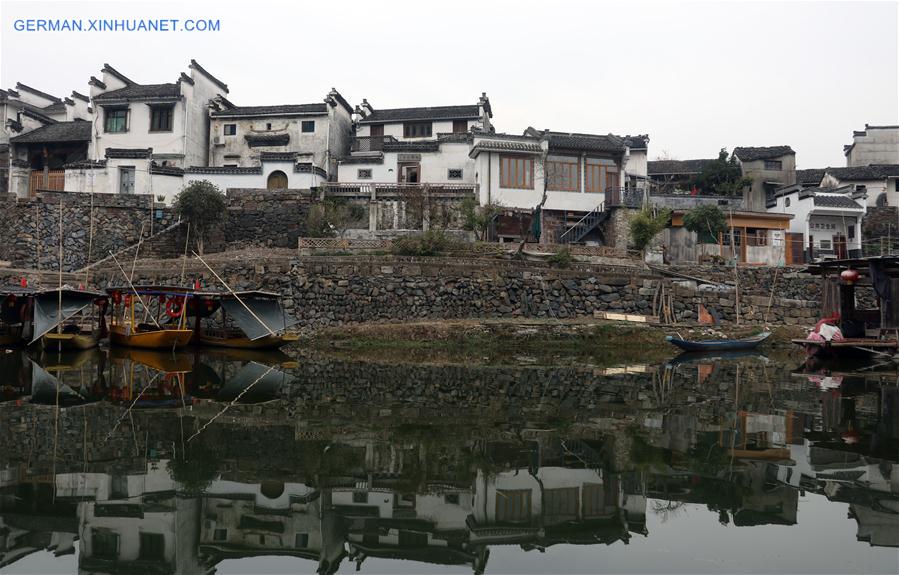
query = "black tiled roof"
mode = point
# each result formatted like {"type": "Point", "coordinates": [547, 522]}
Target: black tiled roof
{"type": "Point", "coordinates": [639, 142]}
{"type": "Point", "coordinates": [487, 145]}
{"type": "Point", "coordinates": [662, 167]}
{"type": "Point", "coordinates": [166, 170]}
{"type": "Point", "coordinates": [872, 172]}
{"type": "Point", "coordinates": [282, 110]}
{"type": "Point", "coordinates": [86, 164]}
{"type": "Point", "coordinates": [80, 96]}
{"type": "Point", "coordinates": [223, 170]}
{"type": "Point", "coordinates": [45, 95]}
{"type": "Point", "coordinates": [55, 108]}
{"type": "Point", "coordinates": [129, 153]}
{"type": "Point", "coordinates": [307, 168]}
{"type": "Point", "coordinates": [832, 201]}
{"type": "Point", "coordinates": [810, 176]}
{"type": "Point", "coordinates": [748, 154]}
{"type": "Point", "coordinates": [194, 64]}
{"type": "Point", "coordinates": [468, 112]}
{"type": "Point", "coordinates": [373, 159]}
{"type": "Point", "coordinates": [256, 140]}
{"type": "Point", "coordinates": [138, 92]}
{"type": "Point", "coordinates": [76, 131]}
{"type": "Point", "coordinates": [277, 156]}
{"type": "Point", "coordinates": [559, 141]}
{"type": "Point", "coordinates": [404, 146]}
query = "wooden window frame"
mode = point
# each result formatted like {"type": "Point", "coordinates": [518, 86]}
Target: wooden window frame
{"type": "Point", "coordinates": [460, 126]}
{"type": "Point", "coordinates": [450, 176]}
{"type": "Point", "coordinates": [411, 129]}
{"type": "Point", "coordinates": [512, 179]}
{"type": "Point", "coordinates": [596, 178]}
{"type": "Point", "coordinates": [560, 164]}
{"type": "Point", "coordinates": [107, 112]}
{"type": "Point", "coordinates": [774, 165]}
{"type": "Point", "coordinates": [304, 124]}
{"type": "Point", "coordinates": [225, 129]}
{"type": "Point", "coordinates": [154, 110]}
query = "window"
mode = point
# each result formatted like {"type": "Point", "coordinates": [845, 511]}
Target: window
{"type": "Point", "coordinates": [454, 174]}
{"type": "Point", "coordinates": [161, 118]}
{"type": "Point", "coordinates": [104, 544]}
{"type": "Point", "coordinates": [301, 540]}
{"type": "Point", "coordinates": [773, 165]}
{"type": "Point", "coordinates": [861, 188]}
{"type": "Point", "coordinates": [787, 202]}
{"type": "Point", "coordinates": [593, 500]}
{"type": "Point", "coordinates": [516, 172]}
{"type": "Point", "coordinates": [307, 126]}
{"type": "Point", "coordinates": [268, 126]}
{"type": "Point", "coordinates": [825, 244]}
{"type": "Point", "coordinates": [451, 499]}
{"type": "Point", "coordinates": [460, 126]}
{"type": "Point", "coordinates": [152, 546]}
{"type": "Point", "coordinates": [230, 129]}
{"type": "Point", "coordinates": [220, 535]}
{"type": "Point", "coordinates": [417, 130]}
{"type": "Point", "coordinates": [513, 505]}
{"type": "Point", "coordinates": [851, 232]}
{"type": "Point", "coordinates": [363, 173]}
{"type": "Point", "coordinates": [563, 174]}
{"type": "Point", "coordinates": [116, 120]}
{"type": "Point", "coordinates": [360, 497]}
{"type": "Point", "coordinates": [602, 174]}
{"type": "Point", "coordinates": [561, 502]}
{"type": "Point", "coordinates": [761, 238]}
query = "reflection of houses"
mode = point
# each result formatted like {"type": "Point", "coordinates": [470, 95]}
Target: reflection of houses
{"type": "Point", "coordinates": [826, 220]}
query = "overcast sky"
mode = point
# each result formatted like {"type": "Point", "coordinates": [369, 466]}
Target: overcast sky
{"type": "Point", "coordinates": [695, 76]}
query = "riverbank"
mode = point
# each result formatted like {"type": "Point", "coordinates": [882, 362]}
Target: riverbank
{"type": "Point", "coordinates": [597, 342]}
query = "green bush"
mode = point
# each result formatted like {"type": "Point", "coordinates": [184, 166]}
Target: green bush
{"type": "Point", "coordinates": [646, 225]}
{"type": "Point", "coordinates": [429, 243]}
{"type": "Point", "coordinates": [202, 205]}
{"type": "Point", "coordinates": [707, 222]}
{"type": "Point", "coordinates": [561, 259]}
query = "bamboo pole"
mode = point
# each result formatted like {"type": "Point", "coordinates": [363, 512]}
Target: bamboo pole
{"type": "Point", "coordinates": [90, 245]}
{"type": "Point", "coordinates": [140, 299]}
{"type": "Point", "coordinates": [59, 294]}
{"type": "Point", "coordinates": [231, 291]}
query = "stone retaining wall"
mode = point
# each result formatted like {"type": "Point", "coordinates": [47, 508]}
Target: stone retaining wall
{"type": "Point", "coordinates": [323, 291]}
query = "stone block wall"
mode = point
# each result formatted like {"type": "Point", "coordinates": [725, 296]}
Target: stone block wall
{"type": "Point", "coordinates": [265, 218]}
{"type": "Point", "coordinates": [323, 291]}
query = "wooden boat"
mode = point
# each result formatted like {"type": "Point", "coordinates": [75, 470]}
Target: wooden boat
{"type": "Point", "coordinates": [720, 344]}
{"type": "Point", "coordinates": [68, 319]}
{"type": "Point", "coordinates": [137, 322]}
{"type": "Point", "coordinates": [247, 320]}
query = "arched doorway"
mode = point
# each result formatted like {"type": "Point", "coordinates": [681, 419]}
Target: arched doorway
{"type": "Point", "coordinates": [277, 180]}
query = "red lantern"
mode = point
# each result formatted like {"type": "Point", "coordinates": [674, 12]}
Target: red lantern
{"type": "Point", "coordinates": [849, 276]}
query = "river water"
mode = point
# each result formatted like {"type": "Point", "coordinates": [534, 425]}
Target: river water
{"type": "Point", "coordinates": [139, 462]}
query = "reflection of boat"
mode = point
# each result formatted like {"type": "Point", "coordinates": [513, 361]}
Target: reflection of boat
{"type": "Point", "coordinates": [706, 345]}
{"type": "Point", "coordinates": [163, 326]}
{"type": "Point", "coordinates": [688, 357]}
{"type": "Point", "coordinates": [165, 361]}
{"type": "Point", "coordinates": [254, 383]}
{"type": "Point", "coordinates": [47, 389]}
{"type": "Point", "coordinates": [149, 378]}
{"type": "Point", "coordinates": [15, 314]}
{"type": "Point", "coordinates": [264, 356]}
{"type": "Point", "coordinates": [62, 320]}
{"type": "Point", "coordinates": [259, 320]}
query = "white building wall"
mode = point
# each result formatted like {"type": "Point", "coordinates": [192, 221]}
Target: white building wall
{"type": "Point", "coordinates": [139, 134]}
{"type": "Point", "coordinates": [295, 180]}
{"type": "Point", "coordinates": [395, 129]}
{"type": "Point", "coordinates": [434, 167]}
{"type": "Point", "coordinates": [878, 145]}
{"type": "Point", "coordinates": [312, 146]}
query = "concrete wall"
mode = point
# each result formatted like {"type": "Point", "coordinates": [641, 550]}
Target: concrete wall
{"type": "Point", "coordinates": [874, 188]}
{"type": "Point", "coordinates": [434, 166]}
{"type": "Point", "coordinates": [106, 179]}
{"type": "Point", "coordinates": [754, 198]}
{"type": "Point", "coordinates": [312, 146]}
{"type": "Point", "coordinates": [395, 129]}
{"type": "Point", "coordinates": [874, 145]}
{"type": "Point", "coordinates": [226, 181]}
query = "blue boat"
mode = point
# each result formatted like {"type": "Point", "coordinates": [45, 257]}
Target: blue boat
{"type": "Point", "coordinates": [720, 344]}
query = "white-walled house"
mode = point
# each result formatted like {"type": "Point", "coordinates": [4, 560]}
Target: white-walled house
{"type": "Point", "coordinates": [274, 171]}
{"type": "Point", "coordinates": [144, 135]}
{"type": "Point", "coordinates": [879, 181]}
{"type": "Point", "coordinates": [317, 133]}
{"type": "Point", "coordinates": [40, 134]}
{"type": "Point", "coordinates": [824, 217]}
{"type": "Point", "coordinates": [415, 145]}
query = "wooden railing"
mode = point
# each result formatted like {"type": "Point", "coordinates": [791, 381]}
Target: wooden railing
{"type": "Point", "coordinates": [56, 181]}
{"type": "Point", "coordinates": [395, 190]}
{"type": "Point", "coordinates": [370, 143]}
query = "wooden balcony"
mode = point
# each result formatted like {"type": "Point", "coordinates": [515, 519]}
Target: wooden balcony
{"type": "Point", "coordinates": [55, 181]}
{"type": "Point", "coordinates": [624, 197]}
{"type": "Point", "coordinates": [371, 143]}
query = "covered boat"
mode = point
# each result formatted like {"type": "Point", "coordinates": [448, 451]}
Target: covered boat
{"type": "Point", "coordinates": [152, 317]}
{"type": "Point", "coordinates": [744, 343]}
{"type": "Point", "coordinates": [68, 319]}
{"type": "Point", "coordinates": [248, 320]}
{"type": "Point", "coordinates": [860, 307]}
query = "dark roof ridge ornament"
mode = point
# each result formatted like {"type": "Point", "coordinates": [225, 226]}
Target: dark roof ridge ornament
{"type": "Point", "coordinates": [110, 70]}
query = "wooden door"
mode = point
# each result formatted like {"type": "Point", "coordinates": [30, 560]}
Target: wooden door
{"type": "Point", "coordinates": [794, 251]}
{"type": "Point", "coordinates": [126, 180]}
{"type": "Point", "coordinates": [376, 141]}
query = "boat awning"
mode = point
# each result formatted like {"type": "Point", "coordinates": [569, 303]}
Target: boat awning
{"type": "Point", "coordinates": [265, 308]}
{"type": "Point", "coordinates": [48, 313]}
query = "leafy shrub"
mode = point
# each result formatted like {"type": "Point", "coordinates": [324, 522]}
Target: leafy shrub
{"type": "Point", "coordinates": [646, 225]}
{"type": "Point", "coordinates": [203, 205]}
{"type": "Point", "coordinates": [561, 259]}
{"type": "Point", "coordinates": [429, 243]}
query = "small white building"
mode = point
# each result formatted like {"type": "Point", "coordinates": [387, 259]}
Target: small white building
{"type": "Point", "coordinates": [274, 171]}
{"type": "Point", "coordinates": [826, 217]}
{"type": "Point", "coordinates": [317, 133]}
{"type": "Point", "coordinates": [878, 181]}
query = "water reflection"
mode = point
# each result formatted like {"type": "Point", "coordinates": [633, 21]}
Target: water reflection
{"type": "Point", "coordinates": [148, 462]}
